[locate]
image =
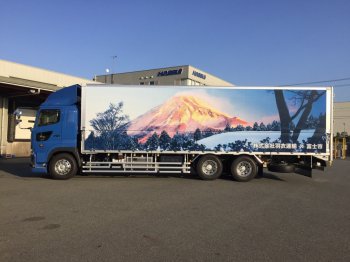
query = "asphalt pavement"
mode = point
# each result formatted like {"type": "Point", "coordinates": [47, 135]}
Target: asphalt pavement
{"type": "Point", "coordinates": [278, 217]}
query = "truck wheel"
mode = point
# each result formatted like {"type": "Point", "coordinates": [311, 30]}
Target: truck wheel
{"type": "Point", "coordinates": [209, 167]}
{"type": "Point", "coordinates": [243, 169]}
{"type": "Point", "coordinates": [63, 166]}
{"type": "Point", "coordinates": [281, 168]}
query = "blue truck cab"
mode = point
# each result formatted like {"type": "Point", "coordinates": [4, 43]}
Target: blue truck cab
{"type": "Point", "coordinates": [55, 134]}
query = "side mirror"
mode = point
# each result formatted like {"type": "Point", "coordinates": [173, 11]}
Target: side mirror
{"type": "Point", "coordinates": [18, 113]}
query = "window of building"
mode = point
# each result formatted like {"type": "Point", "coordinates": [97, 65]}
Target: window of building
{"type": "Point", "coordinates": [185, 82]}
{"type": "Point", "coordinates": [191, 82]}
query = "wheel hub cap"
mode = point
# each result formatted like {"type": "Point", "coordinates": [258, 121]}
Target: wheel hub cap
{"type": "Point", "coordinates": [244, 169]}
{"type": "Point", "coordinates": [209, 167]}
{"type": "Point", "coordinates": [63, 167]}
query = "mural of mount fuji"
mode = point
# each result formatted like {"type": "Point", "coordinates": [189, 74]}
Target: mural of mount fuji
{"type": "Point", "coordinates": [182, 114]}
{"type": "Point", "coordinates": [197, 119]}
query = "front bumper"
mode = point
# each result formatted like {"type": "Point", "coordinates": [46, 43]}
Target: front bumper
{"type": "Point", "coordinates": [37, 168]}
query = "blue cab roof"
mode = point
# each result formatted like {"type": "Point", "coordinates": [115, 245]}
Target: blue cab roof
{"type": "Point", "coordinates": [64, 97]}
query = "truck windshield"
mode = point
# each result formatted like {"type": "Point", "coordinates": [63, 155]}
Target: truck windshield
{"type": "Point", "coordinates": [49, 117]}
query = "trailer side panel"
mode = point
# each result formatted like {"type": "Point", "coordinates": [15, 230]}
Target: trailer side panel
{"type": "Point", "coordinates": [221, 120]}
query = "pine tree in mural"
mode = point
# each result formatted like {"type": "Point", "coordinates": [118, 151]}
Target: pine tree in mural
{"type": "Point", "coordinates": [207, 133]}
{"type": "Point", "coordinates": [126, 142]}
{"type": "Point", "coordinates": [164, 140]}
{"type": "Point", "coordinates": [227, 128]}
{"type": "Point", "coordinates": [176, 142]}
{"type": "Point", "coordinates": [256, 127]}
{"type": "Point", "coordinates": [275, 126]}
{"type": "Point", "coordinates": [197, 135]}
{"type": "Point", "coordinates": [239, 128]}
{"type": "Point", "coordinates": [152, 142]}
{"type": "Point", "coordinates": [262, 127]}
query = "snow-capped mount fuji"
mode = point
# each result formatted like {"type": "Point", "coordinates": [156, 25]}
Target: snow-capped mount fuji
{"type": "Point", "coordinates": [182, 114]}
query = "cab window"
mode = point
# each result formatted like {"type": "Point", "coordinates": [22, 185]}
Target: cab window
{"type": "Point", "coordinates": [49, 117]}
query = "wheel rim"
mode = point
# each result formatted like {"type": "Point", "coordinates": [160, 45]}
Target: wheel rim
{"type": "Point", "coordinates": [244, 168]}
{"type": "Point", "coordinates": [63, 167]}
{"type": "Point", "coordinates": [209, 167]}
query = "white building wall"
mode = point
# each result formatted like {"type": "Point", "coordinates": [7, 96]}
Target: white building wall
{"type": "Point", "coordinates": [3, 124]}
{"type": "Point", "coordinates": [341, 117]}
{"type": "Point", "coordinates": [11, 69]}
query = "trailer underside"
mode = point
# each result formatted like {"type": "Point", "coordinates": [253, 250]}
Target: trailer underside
{"type": "Point", "coordinates": [184, 162]}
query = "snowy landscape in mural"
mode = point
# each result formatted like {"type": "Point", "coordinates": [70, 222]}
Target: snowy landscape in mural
{"type": "Point", "coordinates": [197, 119]}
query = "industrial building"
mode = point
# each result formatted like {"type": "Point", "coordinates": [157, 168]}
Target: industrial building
{"type": "Point", "coordinates": [176, 75]}
{"type": "Point", "coordinates": [24, 88]}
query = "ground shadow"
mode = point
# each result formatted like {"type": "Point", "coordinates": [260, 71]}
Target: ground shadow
{"type": "Point", "coordinates": [18, 167]}
{"type": "Point", "coordinates": [269, 175]}
{"type": "Point", "coordinates": [265, 175]}
{"type": "Point", "coordinates": [138, 175]}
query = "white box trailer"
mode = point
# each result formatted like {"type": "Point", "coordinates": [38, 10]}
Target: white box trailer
{"type": "Point", "coordinates": [184, 129]}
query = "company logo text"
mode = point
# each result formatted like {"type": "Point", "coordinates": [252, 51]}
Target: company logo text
{"type": "Point", "coordinates": [170, 72]}
{"type": "Point", "coordinates": [200, 75]}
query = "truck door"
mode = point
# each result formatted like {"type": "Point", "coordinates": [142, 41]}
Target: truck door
{"type": "Point", "coordinates": [47, 133]}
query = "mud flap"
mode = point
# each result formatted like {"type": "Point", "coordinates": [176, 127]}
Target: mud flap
{"type": "Point", "coordinates": [260, 172]}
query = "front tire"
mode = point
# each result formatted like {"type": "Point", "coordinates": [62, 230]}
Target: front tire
{"type": "Point", "coordinates": [63, 166]}
{"type": "Point", "coordinates": [209, 167]}
{"type": "Point", "coordinates": [243, 169]}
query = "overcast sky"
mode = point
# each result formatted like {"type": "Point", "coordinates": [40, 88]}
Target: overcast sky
{"type": "Point", "coordinates": [246, 42]}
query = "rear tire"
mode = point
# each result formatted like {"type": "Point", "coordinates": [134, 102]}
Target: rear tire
{"type": "Point", "coordinates": [243, 169]}
{"type": "Point", "coordinates": [209, 167]}
{"type": "Point", "coordinates": [63, 166]}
